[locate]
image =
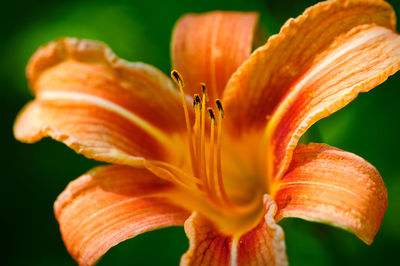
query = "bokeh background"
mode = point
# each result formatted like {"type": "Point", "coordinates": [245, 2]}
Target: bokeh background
{"type": "Point", "coordinates": [33, 175]}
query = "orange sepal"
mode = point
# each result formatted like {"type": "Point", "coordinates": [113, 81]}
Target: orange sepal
{"type": "Point", "coordinates": [110, 204]}
{"type": "Point", "coordinates": [263, 245]}
{"type": "Point", "coordinates": [209, 47]}
{"type": "Point", "coordinates": [325, 184]}
{"type": "Point", "coordinates": [98, 104]}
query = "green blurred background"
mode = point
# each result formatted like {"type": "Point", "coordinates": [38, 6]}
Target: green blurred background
{"type": "Point", "coordinates": [34, 175]}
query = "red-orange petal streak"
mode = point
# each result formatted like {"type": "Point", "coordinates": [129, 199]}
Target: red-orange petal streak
{"type": "Point", "coordinates": [210, 47]}
{"type": "Point", "coordinates": [207, 245]}
{"type": "Point", "coordinates": [325, 184]}
{"type": "Point", "coordinates": [110, 204]}
{"type": "Point", "coordinates": [265, 244]}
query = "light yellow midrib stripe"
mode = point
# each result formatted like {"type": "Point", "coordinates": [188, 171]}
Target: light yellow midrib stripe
{"type": "Point", "coordinates": [319, 69]}
{"type": "Point", "coordinates": [314, 183]}
{"type": "Point", "coordinates": [109, 106]}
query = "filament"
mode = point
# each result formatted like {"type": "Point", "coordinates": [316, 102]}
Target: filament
{"type": "Point", "coordinates": [219, 168]}
{"type": "Point", "coordinates": [207, 175]}
{"type": "Point", "coordinates": [211, 158]}
{"type": "Point", "coordinates": [179, 81]}
{"type": "Point", "coordinates": [180, 175]}
{"type": "Point", "coordinates": [203, 168]}
{"type": "Point", "coordinates": [196, 139]}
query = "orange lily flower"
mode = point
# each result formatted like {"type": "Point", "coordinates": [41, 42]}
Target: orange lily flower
{"type": "Point", "coordinates": [225, 162]}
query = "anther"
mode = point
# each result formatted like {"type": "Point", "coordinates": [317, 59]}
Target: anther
{"type": "Point", "coordinates": [220, 108]}
{"type": "Point", "coordinates": [202, 179]}
{"type": "Point", "coordinates": [177, 77]}
{"type": "Point", "coordinates": [204, 89]}
{"type": "Point", "coordinates": [210, 111]}
{"type": "Point", "coordinates": [197, 99]}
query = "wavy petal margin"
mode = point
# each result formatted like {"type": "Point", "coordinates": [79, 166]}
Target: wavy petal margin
{"type": "Point", "coordinates": [328, 185]}
{"type": "Point", "coordinates": [263, 245]}
{"type": "Point", "coordinates": [262, 81]}
{"type": "Point", "coordinates": [209, 47]}
{"type": "Point", "coordinates": [357, 62]}
{"type": "Point", "coordinates": [86, 95]}
{"type": "Point", "coordinates": [110, 204]}
{"type": "Point", "coordinates": [311, 69]}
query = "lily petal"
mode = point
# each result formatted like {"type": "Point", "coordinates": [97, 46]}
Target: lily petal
{"type": "Point", "coordinates": [355, 63]}
{"type": "Point", "coordinates": [262, 81]}
{"type": "Point", "coordinates": [110, 204]}
{"type": "Point", "coordinates": [207, 245]}
{"type": "Point", "coordinates": [312, 68]}
{"type": "Point", "coordinates": [99, 104]}
{"type": "Point", "coordinates": [325, 184]}
{"type": "Point", "coordinates": [263, 245]}
{"type": "Point", "coordinates": [209, 47]}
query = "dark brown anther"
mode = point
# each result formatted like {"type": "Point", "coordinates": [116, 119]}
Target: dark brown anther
{"type": "Point", "coordinates": [177, 77]}
{"type": "Point", "coordinates": [204, 90]}
{"type": "Point", "coordinates": [197, 99]}
{"type": "Point", "coordinates": [210, 111]}
{"type": "Point", "coordinates": [220, 108]}
{"type": "Point", "coordinates": [194, 103]}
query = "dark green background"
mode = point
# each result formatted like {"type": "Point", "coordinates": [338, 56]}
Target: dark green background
{"type": "Point", "coordinates": [33, 175]}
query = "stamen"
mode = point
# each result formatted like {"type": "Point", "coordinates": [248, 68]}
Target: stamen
{"type": "Point", "coordinates": [212, 117]}
{"type": "Point", "coordinates": [179, 174]}
{"type": "Point", "coordinates": [167, 174]}
{"type": "Point", "coordinates": [204, 90]}
{"type": "Point", "coordinates": [179, 81]}
{"type": "Point", "coordinates": [196, 139]}
{"type": "Point", "coordinates": [177, 78]}
{"type": "Point", "coordinates": [203, 178]}
{"type": "Point", "coordinates": [219, 168]}
{"type": "Point", "coordinates": [211, 157]}
{"type": "Point", "coordinates": [203, 169]}
{"type": "Point", "coordinates": [197, 98]}
{"type": "Point", "coordinates": [220, 109]}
